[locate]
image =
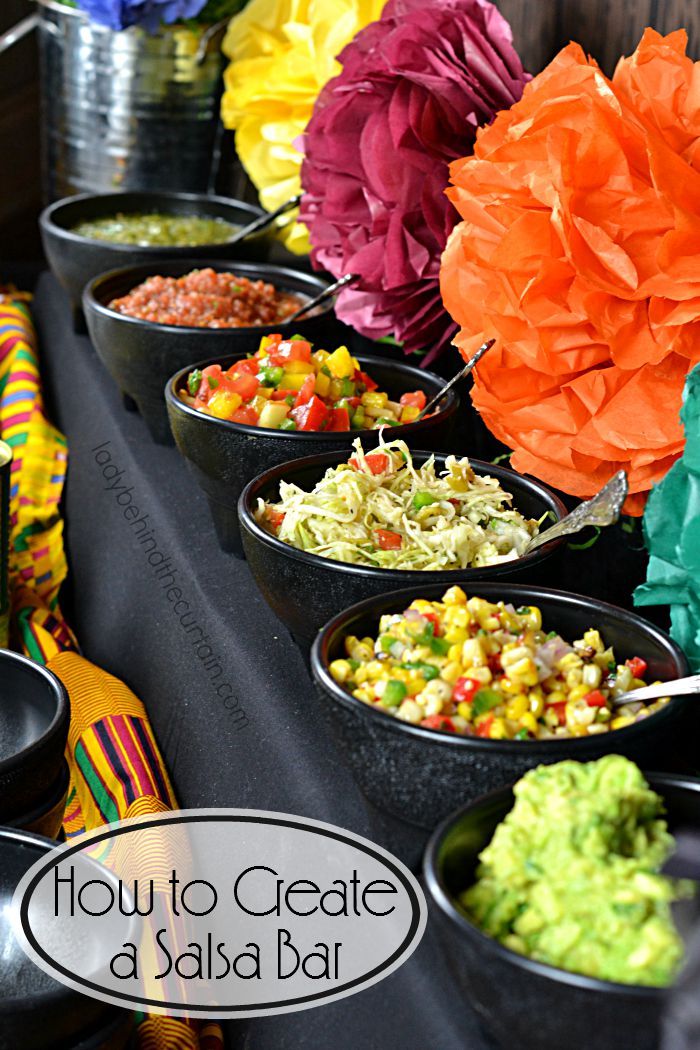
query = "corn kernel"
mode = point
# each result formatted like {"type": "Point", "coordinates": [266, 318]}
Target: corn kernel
{"type": "Point", "coordinates": [364, 694]}
{"type": "Point", "coordinates": [457, 616]}
{"type": "Point", "coordinates": [373, 399]}
{"type": "Point", "coordinates": [454, 653]}
{"type": "Point", "coordinates": [532, 618]}
{"type": "Point", "coordinates": [573, 677]}
{"type": "Point", "coordinates": [481, 674]}
{"type": "Point", "coordinates": [422, 606]}
{"type": "Point", "coordinates": [620, 723]}
{"type": "Point", "coordinates": [454, 596]}
{"type": "Point", "coordinates": [473, 654]}
{"type": "Point", "coordinates": [456, 636]}
{"type": "Point", "coordinates": [523, 671]}
{"type": "Point", "coordinates": [568, 662]}
{"type": "Point", "coordinates": [536, 702]}
{"type": "Point", "coordinates": [464, 708]}
{"type": "Point", "coordinates": [529, 722]}
{"type": "Point", "coordinates": [557, 696]}
{"type": "Point", "coordinates": [411, 712]}
{"type": "Point", "coordinates": [517, 707]}
{"type": "Point", "coordinates": [592, 676]}
{"type": "Point", "coordinates": [593, 640]}
{"type": "Point", "coordinates": [578, 693]}
{"type": "Point", "coordinates": [510, 687]}
{"type": "Point", "coordinates": [498, 730]}
{"type": "Point", "coordinates": [341, 670]}
{"type": "Point", "coordinates": [451, 672]}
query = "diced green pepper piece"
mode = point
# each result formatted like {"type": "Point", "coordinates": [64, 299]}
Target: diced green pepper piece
{"type": "Point", "coordinates": [287, 424]}
{"type": "Point", "coordinates": [484, 700]}
{"type": "Point", "coordinates": [194, 380]}
{"type": "Point", "coordinates": [394, 693]}
{"type": "Point", "coordinates": [423, 499]}
{"type": "Point", "coordinates": [272, 375]}
{"type": "Point", "coordinates": [213, 383]}
{"type": "Point", "coordinates": [429, 671]}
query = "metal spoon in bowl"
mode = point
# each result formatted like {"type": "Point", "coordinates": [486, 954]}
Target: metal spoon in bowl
{"type": "Point", "coordinates": [689, 686]}
{"type": "Point", "coordinates": [435, 401]}
{"type": "Point", "coordinates": [602, 509]}
{"type": "Point", "coordinates": [327, 293]}
{"type": "Point", "coordinates": [264, 220]}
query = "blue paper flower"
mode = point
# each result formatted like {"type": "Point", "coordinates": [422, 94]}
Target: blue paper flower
{"type": "Point", "coordinates": [149, 14]}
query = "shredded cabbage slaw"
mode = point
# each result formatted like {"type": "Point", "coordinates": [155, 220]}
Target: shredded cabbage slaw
{"type": "Point", "coordinates": [452, 520]}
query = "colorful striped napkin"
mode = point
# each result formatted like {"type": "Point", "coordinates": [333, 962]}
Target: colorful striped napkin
{"type": "Point", "coordinates": [116, 767]}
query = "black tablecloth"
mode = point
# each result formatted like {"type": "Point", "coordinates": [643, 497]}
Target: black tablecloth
{"type": "Point", "coordinates": [278, 756]}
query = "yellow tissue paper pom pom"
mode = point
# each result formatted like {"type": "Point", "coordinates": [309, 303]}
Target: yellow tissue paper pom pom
{"type": "Point", "coordinates": [282, 53]}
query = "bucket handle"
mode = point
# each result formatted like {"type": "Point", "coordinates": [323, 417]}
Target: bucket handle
{"type": "Point", "coordinates": [209, 34]}
{"type": "Point", "coordinates": [18, 32]}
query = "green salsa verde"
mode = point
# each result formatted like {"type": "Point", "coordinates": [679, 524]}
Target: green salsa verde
{"type": "Point", "coordinates": [571, 876]}
{"type": "Point", "coordinates": [156, 228]}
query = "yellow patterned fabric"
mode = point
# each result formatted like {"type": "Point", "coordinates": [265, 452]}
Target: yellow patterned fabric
{"type": "Point", "coordinates": [115, 765]}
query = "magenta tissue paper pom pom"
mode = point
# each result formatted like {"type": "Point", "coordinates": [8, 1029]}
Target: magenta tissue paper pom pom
{"type": "Point", "coordinates": [414, 88]}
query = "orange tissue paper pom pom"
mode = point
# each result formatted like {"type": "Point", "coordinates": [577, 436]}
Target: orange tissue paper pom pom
{"type": "Point", "coordinates": [579, 250]}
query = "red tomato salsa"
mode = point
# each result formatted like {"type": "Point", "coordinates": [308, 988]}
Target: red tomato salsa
{"type": "Point", "coordinates": [207, 299]}
{"type": "Point", "coordinates": [288, 386]}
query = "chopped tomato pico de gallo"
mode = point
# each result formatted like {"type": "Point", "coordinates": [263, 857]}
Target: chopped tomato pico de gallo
{"type": "Point", "coordinates": [287, 385]}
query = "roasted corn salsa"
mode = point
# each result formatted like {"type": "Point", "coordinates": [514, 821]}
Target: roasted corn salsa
{"type": "Point", "coordinates": [467, 666]}
{"type": "Point", "coordinates": [151, 229]}
{"type": "Point", "coordinates": [287, 385]}
{"type": "Point", "coordinates": [207, 299]}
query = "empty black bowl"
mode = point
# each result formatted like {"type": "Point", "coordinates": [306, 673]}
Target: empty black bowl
{"type": "Point", "coordinates": [46, 816]}
{"type": "Point", "coordinates": [419, 775]}
{"type": "Point", "coordinates": [75, 259]}
{"type": "Point", "coordinates": [34, 718]}
{"type": "Point", "coordinates": [36, 1012]}
{"type": "Point", "coordinates": [305, 590]}
{"type": "Point", "coordinates": [224, 456]}
{"type": "Point", "coordinates": [141, 356]}
{"type": "Point", "coordinates": [528, 1005]}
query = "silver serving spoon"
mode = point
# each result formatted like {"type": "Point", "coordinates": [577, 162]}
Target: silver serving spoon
{"type": "Point", "coordinates": [680, 687]}
{"type": "Point", "coordinates": [327, 293]}
{"type": "Point", "coordinates": [264, 220]}
{"type": "Point", "coordinates": [435, 401]}
{"type": "Point", "coordinates": [602, 509]}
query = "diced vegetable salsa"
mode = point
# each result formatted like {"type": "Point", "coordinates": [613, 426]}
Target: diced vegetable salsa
{"type": "Point", "coordinates": [468, 666]}
{"type": "Point", "coordinates": [287, 385]}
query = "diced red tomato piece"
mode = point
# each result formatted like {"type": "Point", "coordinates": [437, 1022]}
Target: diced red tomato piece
{"type": "Point", "coordinates": [464, 689]}
{"type": "Point", "coordinates": [439, 722]}
{"type": "Point", "coordinates": [417, 399]}
{"type": "Point", "coordinates": [595, 699]}
{"type": "Point", "coordinates": [306, 390]}
{"type": "Point", "coordinates": [560, 711]}
{"type": "Point", "coordinates": [245, 414]}
{"type": "Point", "coordinates": [275, 517]}
{"type": "Point", "coordinates": [280, 395]}
{"type": "Point", "coordinates": [378, 462]}
{"type": "Point", "coordinates": [290, 350]}
{"type": "Point", "coordinates": [362, 377]}
{"type": "Point", "coordinates": [432, 618]}
{"type": "Point", "coordinates": [248, 365]}
{"type": "Point", "coordinates": [310, 416]}
{"type": "Point", "coordinates": [388, 541]}
{"type": "Point", "coordinates": [338, 419]}
{"type": "Point", "coordinates": [245, 385]}
{"type": "Point", "coordinates": [207, 388]}
{"type": "Point", "coordinates": [637, 666]}
{"type": "Point", "coordinates": [484, 728]}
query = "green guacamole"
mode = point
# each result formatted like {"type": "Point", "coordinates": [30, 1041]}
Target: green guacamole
{"type": "Point", "coordinates": [177, 231]}
{"type": "Point", "coordinates": [570, 877]}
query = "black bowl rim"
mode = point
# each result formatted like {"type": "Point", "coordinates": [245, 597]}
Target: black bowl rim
{"type": "Point", "coordinates": [439, 894]}
{"type": "Point", "coordinates": [61, 714]}
{"type": "Point", "coordinates": [51, 798]}
{"type": "Point", "coordinates": [272, 474]}
{"type": "Point", "coordinates": [449, 406]}
{"type": "Point", "coordinates": [534, 748]}
{"type": "Point", "coordinates": [21, 1005]}
{"type": "Point", "coordinates": [47, 220]}
{"type": "Point", "coordinates": [91, 302]}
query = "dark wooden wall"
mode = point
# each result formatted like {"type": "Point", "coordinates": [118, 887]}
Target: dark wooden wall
{"type": "Point", "coordinates": [605, 28]}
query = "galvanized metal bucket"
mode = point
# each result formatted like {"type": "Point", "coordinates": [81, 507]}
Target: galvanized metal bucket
{"type": "Point", "coordinates": [127, 110]}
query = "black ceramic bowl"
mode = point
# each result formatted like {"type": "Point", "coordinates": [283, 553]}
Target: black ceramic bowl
{"type": "Point", "coordinates": [528, 1005]}
{"type": "Point", "coordinates": [420, 774]}
{"type": "Point", "coordinates": [75, 260]}
{"type": "Point", "coordinates": [36, 1012]}
{"type": "Point", "coordinates": [224, 456]}
{"type": "Point", "coordinates": [305, 591]}
{"type": "Point", "coordinates": [141, 356]}
{"type": "Point", "coordinates": [46, 816]}
{"type": "Point", "coordinates": [34, 717]}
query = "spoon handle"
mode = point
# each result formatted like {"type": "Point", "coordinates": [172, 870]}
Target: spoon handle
{"type": "Point", "coordinates": [602, 509]}
{"type": "Point", "coordinates": [265, 220]}
{"type": "Point", "coordinates": [435, 401]}
{"type": "Point", "coordinates": [681, 687]}
{"type": "Point", "coordinates": [327, 293]}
